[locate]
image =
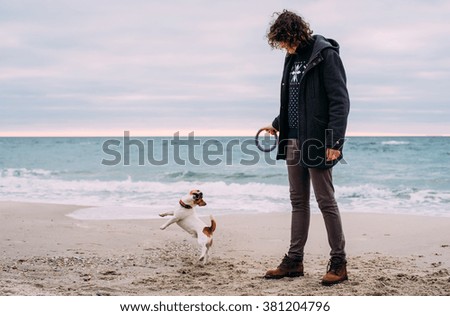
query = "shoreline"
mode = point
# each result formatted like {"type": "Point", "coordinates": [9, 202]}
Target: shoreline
{"type": "Point", "coordinates": [78, 212]}
{"type": "Point", "coordinates": [46, 252]}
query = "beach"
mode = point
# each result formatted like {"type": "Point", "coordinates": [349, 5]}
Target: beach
{"type": "Point", "coordinates": [46, 252]}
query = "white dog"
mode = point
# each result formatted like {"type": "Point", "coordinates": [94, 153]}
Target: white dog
{"type": "Point", "coordinates": [186, 217]}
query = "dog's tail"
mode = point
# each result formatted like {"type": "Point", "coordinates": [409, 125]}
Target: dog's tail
{"type": "Point", "coordinates": [213, 224]}
{"type": "Point", "coordinates": [209, 230]}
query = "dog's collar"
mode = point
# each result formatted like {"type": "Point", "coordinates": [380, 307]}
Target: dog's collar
{"type": "Point", "coordinates": [185, 205]}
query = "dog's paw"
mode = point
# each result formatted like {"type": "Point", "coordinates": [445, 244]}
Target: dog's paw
{"type": "Point", "coordinates": [162, 214]}
{"type": "Point", "coordinates": [162, 227]}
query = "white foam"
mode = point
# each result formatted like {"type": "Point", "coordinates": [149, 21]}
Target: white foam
{"type": "Point", "coordinates": [134, 195]}
{"type": "Point", "coordinates": [394, 142]}
{"type": "Point", "coordinates": [25, 173]}
{"type": "Point", "coordinates": [129, 199]}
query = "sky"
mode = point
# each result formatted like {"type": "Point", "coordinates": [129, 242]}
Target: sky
{"type": "Point", "coordinates": [102, 67]}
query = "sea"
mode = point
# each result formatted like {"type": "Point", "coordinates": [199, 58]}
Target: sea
{"type": "Point", "coordinates": [138, 177]}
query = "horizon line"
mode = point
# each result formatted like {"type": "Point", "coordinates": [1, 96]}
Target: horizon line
{"type": "Point", "coordinates": [184, 132]}
{"type": "Point", "coordinates": [200, 134]}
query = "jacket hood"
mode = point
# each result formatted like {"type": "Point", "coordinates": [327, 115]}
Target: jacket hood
{"type": "Point", "coordinates": [321, 43]}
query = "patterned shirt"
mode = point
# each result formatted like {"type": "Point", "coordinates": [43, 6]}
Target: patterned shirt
{"type": "Point", "coordinates": [297, 70]}
{"type": "Point", "coordinates": [298, 67]}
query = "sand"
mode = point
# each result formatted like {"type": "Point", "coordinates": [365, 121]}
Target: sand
{"type": "Point", "coordinates": [46, 252]}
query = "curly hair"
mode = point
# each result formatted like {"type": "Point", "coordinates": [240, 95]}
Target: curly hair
{"type": "Point", "coordinates": [288, 28]}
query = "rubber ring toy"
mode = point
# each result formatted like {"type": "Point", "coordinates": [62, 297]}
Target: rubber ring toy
{"type": "Point", "coordinates": [265, 149]}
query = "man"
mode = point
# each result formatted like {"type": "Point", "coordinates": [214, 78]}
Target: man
{"type": "Point", "coordinates": [312, 122]}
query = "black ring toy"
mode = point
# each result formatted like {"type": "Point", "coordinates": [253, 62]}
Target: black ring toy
{"type": "Point", "coordinates": [266, 150]}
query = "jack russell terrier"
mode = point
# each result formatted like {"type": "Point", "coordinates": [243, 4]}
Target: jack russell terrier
{"type": "Point", "coordinates": [186, 217]}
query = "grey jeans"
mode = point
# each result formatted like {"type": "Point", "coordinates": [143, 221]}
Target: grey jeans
{"type": "Point", "coordinates": [300, 179]}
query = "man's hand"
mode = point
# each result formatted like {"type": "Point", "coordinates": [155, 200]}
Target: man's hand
{"type": "Point", "coordinates": [270, 129]}
{"type": "Point", "coordinates": [333, 154]}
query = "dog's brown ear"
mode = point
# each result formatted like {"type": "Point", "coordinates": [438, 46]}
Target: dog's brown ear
{"type": "Point", "coordinates": [200, 202]}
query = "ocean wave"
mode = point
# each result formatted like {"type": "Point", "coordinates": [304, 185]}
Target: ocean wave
{"type": "Point", "coordinates": [136, 193]}
{"type": "Point", "coordinates": [192, 175]}
{"type": "Point", "coordinates": [145, 199]}
{"type": "Point", "coordinates": [395, 142]}
{"type": "Point", "coordinates": [407, 200]}
{"type": "Point", "coordinates": [26, 173]}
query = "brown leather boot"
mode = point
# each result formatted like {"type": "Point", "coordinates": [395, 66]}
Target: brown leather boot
{"type": "Point", "coordinates": [287, 268]}
{"type": "Point", "coordinates": [336, 271]}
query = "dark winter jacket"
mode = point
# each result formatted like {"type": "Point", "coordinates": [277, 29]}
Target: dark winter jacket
{"type": "Point", "coordinates": [324, 103]}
